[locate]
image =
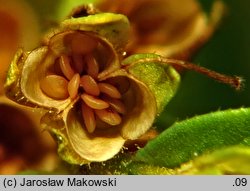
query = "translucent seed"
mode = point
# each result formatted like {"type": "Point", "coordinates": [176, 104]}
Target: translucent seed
{"type": "Point", "coordinates": [89, 85]}
{"type": "Point", "coordinates": [83, 44]}
{"type": "Point", "coordinates": [65, 67]}
{"type": "Point", "coordinates": [78, 62]}
{"type": "Point", "coordinates": [55, 86]}
{"type": "Point", "coordinates": [116, 104]}
{"type": "Point", "coordinates": [108, 116]}
{"type": "Point", "coordinates": [109, 90]}
{"type": "Point", "coordinates": [73, 86]}
{"type": "Point", "coordinates": [92, 66]}
{"type": "Point", "coordinates": [93, 102]}
{"type": "Point", "coordinates": [88, 118]}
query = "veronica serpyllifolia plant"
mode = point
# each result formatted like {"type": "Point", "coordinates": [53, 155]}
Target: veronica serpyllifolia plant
{"type": "Point", "coordinates": [94, 98]}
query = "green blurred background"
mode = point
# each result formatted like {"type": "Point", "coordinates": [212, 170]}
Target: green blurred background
{"type": "Point", "coordinates": [228, 52]}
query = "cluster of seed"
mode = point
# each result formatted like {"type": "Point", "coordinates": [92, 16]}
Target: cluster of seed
{"type": "Point", "coordinates": [79, 77]}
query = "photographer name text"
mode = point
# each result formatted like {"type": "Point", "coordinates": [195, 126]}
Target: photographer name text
{"type": "Point", "coordinates": [70, 182]}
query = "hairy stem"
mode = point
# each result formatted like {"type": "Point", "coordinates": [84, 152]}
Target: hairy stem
{"type": "Point", "coordinates": [234, 81]}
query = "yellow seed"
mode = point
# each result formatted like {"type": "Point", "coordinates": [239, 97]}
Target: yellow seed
{"type": "Point", "coordinates": [88, 118]}
{"type": "Point", "coordinates": [78, 62]}
{"type": "Point", "coordinates": [89, 85]}
{"type": "Point", "coordinates": [73, 86]}
{"type": "Point", "coordinates": [93, 102]}
{"type": "Point", "coordinates": [92, 66]}
{"type": "Point", "coordinates": [83, 44]}
{"type": "Point", "coordinates": [55, 86]}
{"type": "Point", "coordinates": [108, 116]}
{"type": "Point", "coordinates": [65, 67]}
{"type": "Point", "coordinates": [116, 104]}
{"type": "Point", "coordinates": [109, 90]}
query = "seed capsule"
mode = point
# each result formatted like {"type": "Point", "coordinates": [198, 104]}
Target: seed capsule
{"type": "Point", "coordinates": [92, 66]}
{"type": "Point", "coordinates": [108, 116]}
{"type": "Point", "coordinates": [65, 67]}
{"type": "Point", "coordinates": [90, 85]}
{"type": "Point", "coordinates": [55, 86]}
{"type": "Point", "coordinates": [73, 86]}
{"type": "Point", "coordinates": [109, 90]}
{"type": "Point", "coordinates": [88, 118]}
{"type": "Point", "coordinates": [93, 102]}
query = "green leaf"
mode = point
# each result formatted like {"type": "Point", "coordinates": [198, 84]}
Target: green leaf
{"type": "Point", "coordinates": [230, 160]}
{"type": "Point", "coordinates": [162, 79]}
{"type": "Point", "coordinates": [122, 164]}
{"type": "Point", "coordinates": [139, 168]}
{"type": "Point", "coordinates": [192, 137]}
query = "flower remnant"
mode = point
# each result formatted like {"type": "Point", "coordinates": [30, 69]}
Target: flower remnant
{"type": "Point", "coordinates": [94, 101]}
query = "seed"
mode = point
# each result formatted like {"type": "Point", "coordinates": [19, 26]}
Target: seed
{"type": "Point", "coordinates": [93, 102]}
{"type": "Point", "coordinates": [88, 118]}
{"type": "Point", "coordinates": [92, 66]}
{"type": "Point", "coordinates": [116, 104]}
{"type": "Point", "coordinates": [55, 86]}
{"type": "Point", "coordinates": [90, 85]}
{"type": "Point", "coordinates": [109, 90]}
{"type": "Point", "coordinates": [73, 86]}
{"type": "Point", "coordinates": [65, 67]}
{"type": "Point", "coordinates": [108, 116]}
{"type": "Point", "coordinates": [78, 62]}
{"type": "Point", "coordinates": [83, 44]}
